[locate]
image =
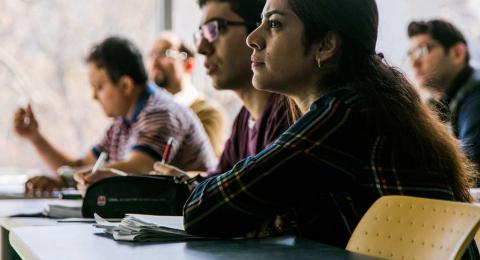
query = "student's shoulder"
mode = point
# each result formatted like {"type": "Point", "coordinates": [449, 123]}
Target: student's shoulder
{"type": "Point", "coordinates": [346, 96]}
{"type": "Point", "coordinates": [207, 107]}
{"type": "Point", "coordinates": [162, 103]}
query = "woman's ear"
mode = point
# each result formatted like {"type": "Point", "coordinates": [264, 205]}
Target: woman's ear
{"type": "Point", "coordinates": [127, 85]}
{"type": "Point", "coordinates": [328, 47]}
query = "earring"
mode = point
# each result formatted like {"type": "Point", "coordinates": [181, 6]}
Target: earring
{"type": "Point", "coordinates": [319, 62]}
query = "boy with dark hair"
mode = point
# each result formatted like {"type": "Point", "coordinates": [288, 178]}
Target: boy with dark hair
{"type": "Point", "coordinates": [440, 58]}
{"type": "Point", "coordinates": [144, 119]}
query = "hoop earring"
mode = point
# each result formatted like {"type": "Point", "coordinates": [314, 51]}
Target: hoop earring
{"type": "Point", "coordinates": [319, 63]}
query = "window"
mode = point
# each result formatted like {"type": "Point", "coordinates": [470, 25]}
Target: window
{"type": "Point", "coordinates": [42, 52]}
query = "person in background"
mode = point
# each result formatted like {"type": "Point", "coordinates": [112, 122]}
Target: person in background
{"type": "Point", "coordinates": [144, 120]}
{"type": "Point", "coordinates": [440, 58]}
{"type": "Point", "coordinates": [363, 133]}
{"type": "Point", "coordinates": [171, 64]}
{"type": "Point", "coordinates": [224, 27]}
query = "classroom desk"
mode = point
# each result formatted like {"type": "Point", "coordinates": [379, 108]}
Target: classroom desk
{"type": "Point", "coordinates": [81, 242]}
{"type": "Point", "coordinates": [20, 206]}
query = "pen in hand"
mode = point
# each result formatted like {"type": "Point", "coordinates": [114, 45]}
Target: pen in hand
{"type": "Point", "coordinates": [168, 148]}
{"type": "Point", "coordinates": [165, 155]}
{"type": "Point", "coordinates": [100, 162]}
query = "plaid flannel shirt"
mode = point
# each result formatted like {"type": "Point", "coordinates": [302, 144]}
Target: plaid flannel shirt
{"type": "Point", "coordinates": [328, 168]}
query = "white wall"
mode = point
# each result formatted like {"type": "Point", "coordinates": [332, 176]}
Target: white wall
{"type": "Point", "coordinates": [394, 18]}
{"type": "Point", "coordinates": [396, 14]}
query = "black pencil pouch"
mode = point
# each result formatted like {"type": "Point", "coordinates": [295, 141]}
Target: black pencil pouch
{"type": "Point", "coordinates": [113, 197]}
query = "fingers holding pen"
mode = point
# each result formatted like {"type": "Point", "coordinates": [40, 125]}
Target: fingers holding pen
{"type": "Point", "coordinates": [165, 169]}
{"type": "Point", "coordinates": [24, 122]}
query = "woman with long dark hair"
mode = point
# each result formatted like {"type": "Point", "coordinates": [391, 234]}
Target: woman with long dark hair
{"type": "Point", "coordinates": [364, 132]}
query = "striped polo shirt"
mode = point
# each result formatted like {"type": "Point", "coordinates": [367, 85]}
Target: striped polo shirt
{"type": "Point", "coordinates": [156, 118]}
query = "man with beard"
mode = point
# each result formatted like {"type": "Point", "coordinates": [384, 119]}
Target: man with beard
{"type": "Point", "coordinates": [171, 64]}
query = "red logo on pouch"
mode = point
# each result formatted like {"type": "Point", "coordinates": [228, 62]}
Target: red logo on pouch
{"type": "Point", "coordinates": [101, 200]}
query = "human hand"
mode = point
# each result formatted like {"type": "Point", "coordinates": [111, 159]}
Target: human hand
{"type": "Point", "coordinates": [86, 178]}
{"type": "Point", "coordinates": [43, 186]}
{"type": "Point", "coordinates": [271, 227]}
{"type": "Point", "coordinates": [25, 124]}
{"type": "Point", "coordinates": [166, 170]}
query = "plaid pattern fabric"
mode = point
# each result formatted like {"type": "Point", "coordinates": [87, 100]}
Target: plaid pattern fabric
{"type": "Point", "coordinates": [328, 168]}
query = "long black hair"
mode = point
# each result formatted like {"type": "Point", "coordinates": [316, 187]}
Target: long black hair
{"type": "Point", "coordinates": [392, 102]}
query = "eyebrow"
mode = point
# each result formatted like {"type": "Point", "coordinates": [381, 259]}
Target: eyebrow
{"type": "Point", "coordinates": [270, 13]}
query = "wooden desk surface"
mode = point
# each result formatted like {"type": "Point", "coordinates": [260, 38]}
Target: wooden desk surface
{"type": "Point", "coordinates": [80, 242]}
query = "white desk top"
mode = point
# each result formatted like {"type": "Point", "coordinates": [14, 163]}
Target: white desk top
{"type": "Point", "coordinates": [24, 206]}
{"type": "Point", "coordinates": [80, 242]}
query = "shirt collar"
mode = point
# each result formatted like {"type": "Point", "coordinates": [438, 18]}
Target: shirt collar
{"type": "Point", "coordinates": [187, 95]}
{"type": "Point", "coordinates": [141, 102]}
{"type": "Point", "coordinates": [457, 84]}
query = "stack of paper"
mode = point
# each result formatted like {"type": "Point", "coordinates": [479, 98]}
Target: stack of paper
{"type": "Point", "coordinates": [64, 209]}
{"type": "Point", "coordinates": [145, 228]}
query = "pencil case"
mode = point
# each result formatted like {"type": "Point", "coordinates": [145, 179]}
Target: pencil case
{"type": "Point", "coordinates": [113, 197]}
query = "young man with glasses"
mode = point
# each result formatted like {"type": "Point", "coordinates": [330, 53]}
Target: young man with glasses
{"type": "Point", "coordinates": [171, 64]}
{"type": "Point", "coordinates": [144, 119]}
{"type": "Point", "coordinates": [440, 58]}
{"type": "Point", "coordinates": [264, 116]}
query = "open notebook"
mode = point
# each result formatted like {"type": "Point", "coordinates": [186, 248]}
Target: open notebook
{"type": "Point", "coordinates": [146, 228]}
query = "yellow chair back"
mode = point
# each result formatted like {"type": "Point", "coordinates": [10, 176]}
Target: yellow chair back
{"type": "Point", "coordinates": [402, 227]}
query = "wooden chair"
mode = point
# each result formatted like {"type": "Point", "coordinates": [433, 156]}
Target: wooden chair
{"type": "Point", "coordinates": [402, 227]}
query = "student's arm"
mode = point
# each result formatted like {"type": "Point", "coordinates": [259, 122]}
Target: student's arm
{"type": "Point", "coordinates": [241, 200]}
{"type": "Point", "coordinates": [26, 126]}
{"type": "Point", "coordinates": [268, 184]}
{"type": "Point", "coordinates": [170, 170]}
{"type": "Point", "coordinates": [155, 128]}
{"type": "Point", "coordinates": [138, 163]}
{"type": "Point", "coordinates": [55, 158]}
{"type": "Point", "coordinates": [44, 185]}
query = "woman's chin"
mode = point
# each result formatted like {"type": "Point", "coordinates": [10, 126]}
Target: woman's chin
{"type": "Point", "coordinates": [260, 84]}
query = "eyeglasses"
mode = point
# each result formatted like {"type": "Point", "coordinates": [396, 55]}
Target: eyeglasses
{"type": "Point", "coordinates": [169, 53]}
{"type": "Point", "coordinates": [212, 29]}
{"type": "Point", "coordinates": [421, 51]}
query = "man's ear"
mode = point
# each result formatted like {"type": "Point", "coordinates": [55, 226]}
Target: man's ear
{"type": "Point", "coordinates": [127, 85]}
{"type": "Point", "coordinates": [328, 47]}
{"type": "Point", "coordinates": [458, 53]}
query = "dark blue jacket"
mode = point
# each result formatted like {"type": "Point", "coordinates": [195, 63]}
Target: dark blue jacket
{"type": "Point", "coordinates": [463, 100]}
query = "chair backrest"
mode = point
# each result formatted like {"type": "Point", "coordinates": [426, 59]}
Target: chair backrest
{"type": "Point", "coordinates": [402, 227]}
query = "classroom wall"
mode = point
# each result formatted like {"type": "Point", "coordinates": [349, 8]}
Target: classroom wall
{"type": "Point", "coordinates": [394, 18]}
